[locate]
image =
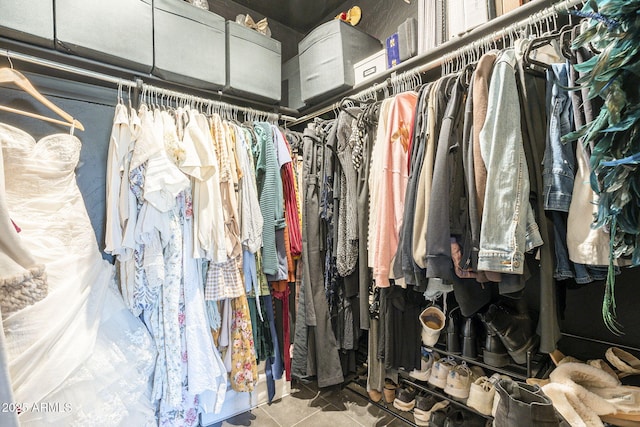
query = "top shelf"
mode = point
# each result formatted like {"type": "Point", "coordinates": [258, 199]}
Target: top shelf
{"type": "Point", "coordinates": [433, 59]}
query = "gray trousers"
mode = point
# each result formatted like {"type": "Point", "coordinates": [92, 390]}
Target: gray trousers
{"type": "Point", "coordinates": [322, 358]}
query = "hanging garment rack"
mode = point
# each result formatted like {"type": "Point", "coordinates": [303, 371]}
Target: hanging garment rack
{"type": "Point", "coordinates": [504, 28]}
{"type": "Point", "coordinates": [139, 85]}
{"type": "Point", "coordinates": [156, 95]}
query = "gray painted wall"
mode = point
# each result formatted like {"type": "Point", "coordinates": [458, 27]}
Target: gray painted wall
{"type": "Point", "coordinates": [380, 18]}
{"type": "Point", "coordinates": [97, 119]}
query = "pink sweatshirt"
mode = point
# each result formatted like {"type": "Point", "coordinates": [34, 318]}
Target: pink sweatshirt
{"type": "Point", "coordinates": [392, 185]}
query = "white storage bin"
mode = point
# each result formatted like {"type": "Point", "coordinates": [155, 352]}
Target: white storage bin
{"type": "Point", "coordinates": [370, 67]}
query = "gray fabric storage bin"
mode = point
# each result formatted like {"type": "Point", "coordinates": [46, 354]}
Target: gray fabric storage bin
{"type": "Point", "coordinates": [408, 39]}
{"type": "Point", "coordinates": [118, 32]}
{"type": "Point", "coordinates": [254, 63]}
{"type": "Point", "coordinates": [291, 96]}
{"type": "Point", "coordinates": [29, 21]}
{"type": "Point", "coordinates": [188, 44]}
{"type": "Point", "coordinates": [327, 55]}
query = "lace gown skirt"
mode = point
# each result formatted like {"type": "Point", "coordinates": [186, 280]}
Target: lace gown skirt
{"type": "Point", "coordinates": [79, 347]}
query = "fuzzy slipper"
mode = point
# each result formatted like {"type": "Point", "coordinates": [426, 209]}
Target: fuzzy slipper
{"type": "Point", "coordinates": [626, 399]}
{"type": "Point", "coordinates": [599, 391]}
{"type": "Point", "coordinates": [601, 364]}
{"type": "Point", "coordinates": [570, 406]}
{"type": "Point", "coordinates": [583, 379]}
{"type": "Point", "coordinates": [625, 362]}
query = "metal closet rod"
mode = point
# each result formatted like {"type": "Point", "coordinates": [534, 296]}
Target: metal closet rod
{"type": "Point", "coordinates": [138, 83]}
{"type": "Point", "coordinates": [149, 91]}
{"type": "Point", "coordinates": [455, 48]}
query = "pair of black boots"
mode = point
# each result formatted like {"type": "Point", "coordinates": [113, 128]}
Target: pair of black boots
{"type": "Point", "coordinates": [460, 333]}
{"type": "Point", "coordinates": [509, 332]}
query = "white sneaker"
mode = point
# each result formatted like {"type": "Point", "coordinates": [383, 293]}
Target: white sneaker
{"type": "Point", "coordinates": [426, 363]}
{"type": "Point", "coordinates": [459, 381]}
{"type": "Point", "coordinates": [440, 372]}
{"type": "Point", "coordinates": [481, 395]}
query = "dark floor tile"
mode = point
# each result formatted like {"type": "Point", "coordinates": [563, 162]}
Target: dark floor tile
{"type": "Point", "coordinates": [325, 417]}
{"type": "Point", "coordinates": [295, 407]}
{"type": "Point", "coordinates": [256, 417]}
{"type": "Point", "coordinates": [399, 422]}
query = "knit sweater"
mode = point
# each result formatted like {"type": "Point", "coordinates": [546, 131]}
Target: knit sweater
{"type": "Point", "coordinates": [268, 180]}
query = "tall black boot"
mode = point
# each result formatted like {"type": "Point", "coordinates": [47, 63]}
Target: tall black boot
{"type": "Point", "coordinates": [452, 330]}
{"type": "Point", "coordinates": [469, 338]}
{"type": "Point", "coordinates": [524, 405]}
{"type": "Point", "coordinates": [494, 352]}
{"type": "Point", "coordinates": [514, 329]}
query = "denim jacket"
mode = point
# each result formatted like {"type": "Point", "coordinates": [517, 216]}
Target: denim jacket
{"type": "Point", "coordinates": [508, 224]}
{"type": "Point", "coordinates": [559, 160]}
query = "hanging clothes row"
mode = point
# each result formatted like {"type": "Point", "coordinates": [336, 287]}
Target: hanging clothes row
{"type": "Point", "coordinates": [457, 193]}
{"type": "Point", "coordinates": [196, 222]}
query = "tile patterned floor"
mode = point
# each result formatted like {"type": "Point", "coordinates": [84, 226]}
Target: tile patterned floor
{"type": "Point", "coordinates": [309, 406]}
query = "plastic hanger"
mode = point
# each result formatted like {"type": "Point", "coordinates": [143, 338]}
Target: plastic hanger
{"type": "Point", "coordinates": [540, 41]}
{"type": "Point", "coordinates": [10, 75]}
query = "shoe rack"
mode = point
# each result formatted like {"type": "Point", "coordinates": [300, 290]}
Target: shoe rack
{"type": "Point", "coordinates": [538, 366]}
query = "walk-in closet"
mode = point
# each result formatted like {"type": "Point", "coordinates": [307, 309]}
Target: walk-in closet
{"type": "Point", "coordinates": [291, 213]}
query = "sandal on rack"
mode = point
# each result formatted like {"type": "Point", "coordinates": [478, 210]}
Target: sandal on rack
{"type": "Point", "coordinates": [619, 422]}
{"type": "Point", "coordinates": [558, 358]}
{"type": "Point", "coordinates": [601, 364]}
{"type": "Point", "coordinates": [625, 362]}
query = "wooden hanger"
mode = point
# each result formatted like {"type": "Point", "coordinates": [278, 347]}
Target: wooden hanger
{"type": "Point", "coordinates": [10, 75]}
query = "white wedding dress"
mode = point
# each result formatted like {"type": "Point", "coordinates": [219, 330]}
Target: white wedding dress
{"type": "Point", "coordinates": [79, 347]}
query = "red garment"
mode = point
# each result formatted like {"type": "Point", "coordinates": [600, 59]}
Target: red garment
{"type": "Point", "coordinates": [284, 297]}
{"type": "Point", "coordinates": [291, 206]}
{"type": "Point", "coordinates": [280, 290]}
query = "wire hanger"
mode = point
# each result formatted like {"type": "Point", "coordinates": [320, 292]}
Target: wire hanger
{"type": "Point", "coordinates": [10, 75]}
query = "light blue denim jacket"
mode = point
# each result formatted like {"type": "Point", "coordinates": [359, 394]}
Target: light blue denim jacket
{"type": "Point", "coordinates": [508, 226]}
{"type": "Point", "coordinates": [559, 159]}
